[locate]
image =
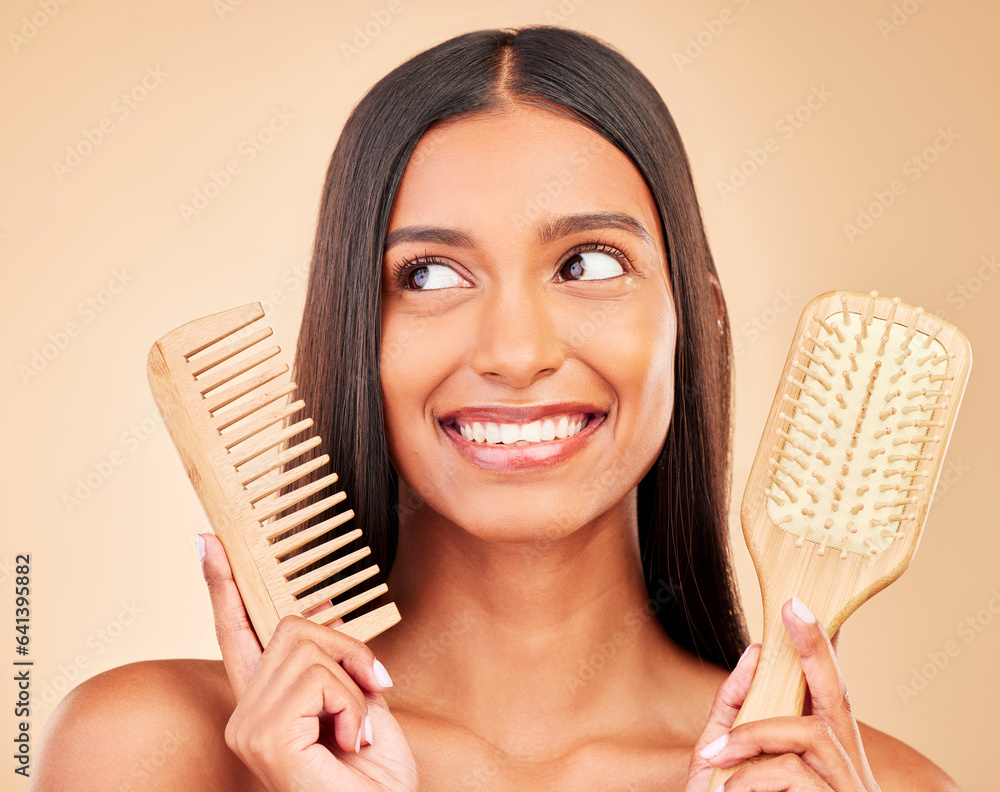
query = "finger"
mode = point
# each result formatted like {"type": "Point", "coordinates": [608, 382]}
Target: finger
{"type": "Point", "coordinates": [241, 650]}
{"type": "Point", "coordinates": [353, 656]}
{"type": "Point", "coordinates": [274, 680]}
{"type": "Point", "coordinates": [726, 706]}
{"type": "Point", "coordinates": [318, 694]}
{"type": "Point", "coordinates": [810, 738]}
{"type": "Point", "coordinates": [787, 773]}
{"type": "Point", "coordinates": [827, 692]}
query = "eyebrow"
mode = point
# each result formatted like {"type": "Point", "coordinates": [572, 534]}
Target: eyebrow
{"type": "Point", "coordinates": [547, 231]}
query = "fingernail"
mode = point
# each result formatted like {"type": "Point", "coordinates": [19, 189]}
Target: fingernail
{"type": "Point", "coordinates": [800, 610]}
{"type": "Point", "coordinates": [357, 746]}
{"type": "Point", "coordinates": [368, 729]}
{"type": "Point", "coordinates": [715, 747]}
{"type": "Point", "coordinates": [381, 674]}
{"type": "Point", "coordinates": [745, 653]}
{"type": "Point", "coordinates": [718, 788]}
{"type": "Point", "coordinates": [201, 547]}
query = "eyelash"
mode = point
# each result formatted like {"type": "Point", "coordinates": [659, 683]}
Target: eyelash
{"type": "Point", "coordinates": [403, 268]}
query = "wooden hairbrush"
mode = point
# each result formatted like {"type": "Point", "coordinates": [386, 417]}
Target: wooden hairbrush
{"type": "Point", "coordinates": [845, 470]}
{"type": "Point", "coordinates": [230, 418]}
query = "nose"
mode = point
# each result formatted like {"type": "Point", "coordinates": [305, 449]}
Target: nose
{"type": "Point", "coordinates": [518, 340]}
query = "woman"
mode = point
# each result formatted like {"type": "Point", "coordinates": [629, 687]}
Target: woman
{"type": "Point", "coordinates": [545, 400]}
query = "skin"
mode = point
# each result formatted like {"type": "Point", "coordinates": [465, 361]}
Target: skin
{"type": "Point", "coordinates": [526, 657]}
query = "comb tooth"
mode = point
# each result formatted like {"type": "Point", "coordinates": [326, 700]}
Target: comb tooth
{"type": "Point", "coordinates": [270, 442]}
{"type": "Point", "coordinates": [266, 419]}
{"type": "Point", "coordinates": [252, 474]}
{"type": "Point", "coordinates": [232, 393]}
{"type": "Point", "coordinates": [237, 319]}
{"type": "Point", "coordinates": [323, 618]}
{"type": "Point", "coordinates": [335, 589]}
{"type": "Point", "coordinates": [279, 527]}
{"type": "Point", "coordinates": [229, 417]}
{"type": "Point", "coordinates": [284, 546]}
{"type": "Point", "coordinates": [298, 562]}
{"type": "Point", "coordinates": [310, 579]}
{"type": "Point", "coordinates": [223, 376]}
{"type": "Point", "coordinates": [286, 479]}
{"type": "Point", "coordinates": [222, 355]}
{"type": "Point", "coordinates": [843, 307]}
{"type": "Point", "coordinates": [286, 501]}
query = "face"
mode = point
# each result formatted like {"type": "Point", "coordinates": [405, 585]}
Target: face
{"type": "Point", "coordinates": [528, 328]}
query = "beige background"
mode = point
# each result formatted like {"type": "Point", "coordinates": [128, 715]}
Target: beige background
{"type": "Point", "coordinates": [115, 577]}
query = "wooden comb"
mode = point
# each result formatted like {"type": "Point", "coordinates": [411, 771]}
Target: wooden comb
{"type": "Point", "coordinates": [845, 470]}
{"type": "Point", "coordinates": [230, 419]}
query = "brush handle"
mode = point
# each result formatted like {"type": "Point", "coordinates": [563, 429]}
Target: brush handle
{"type": "Point", "coordinates": [778, 687]}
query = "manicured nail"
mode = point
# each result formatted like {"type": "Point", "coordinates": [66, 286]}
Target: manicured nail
{"type": "Point", "coordinates": [715, 747]}
{"type": "Point", "coordinates": [718, 788]}
{"type": "Point", "coordinates": [357, 746]}
{"type": "Point", "coordinates": [368, 729]}
{"type": "Point", "coordinates": [800, 610]}
{"type": "Point", "coordinates": [201, 547]}
{"type": "Point", "coordinates": [381, 674]}
{"type": "Point", "coordinates": [745, 653]}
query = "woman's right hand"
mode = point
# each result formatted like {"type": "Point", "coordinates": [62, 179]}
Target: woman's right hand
{"type": "Point", "coordinates": [303, 700]}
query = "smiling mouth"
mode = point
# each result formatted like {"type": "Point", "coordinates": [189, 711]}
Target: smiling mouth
{"type": "Point", "coordinates": [550, 429]}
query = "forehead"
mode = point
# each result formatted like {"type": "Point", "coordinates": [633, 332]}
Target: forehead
{"type": "Point", "coordinates": [507, 171]}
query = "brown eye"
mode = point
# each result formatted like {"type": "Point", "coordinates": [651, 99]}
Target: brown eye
{"type": "Point", "coordinates": [591, 265]}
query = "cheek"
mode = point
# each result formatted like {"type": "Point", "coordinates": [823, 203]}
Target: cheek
{"type": "Point", "coordinates": [634, 352]}
{"type": "Point", "coordinates": [415, 357]}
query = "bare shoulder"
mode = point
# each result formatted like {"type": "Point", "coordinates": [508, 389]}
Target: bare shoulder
{"type": "Point", "coordinates": [148, 726]}
{"type": "Point", "coordinates": [899, 768]}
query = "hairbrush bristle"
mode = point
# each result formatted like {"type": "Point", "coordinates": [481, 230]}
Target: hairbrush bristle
{"type": "Point", "coordinates": [861, 422]}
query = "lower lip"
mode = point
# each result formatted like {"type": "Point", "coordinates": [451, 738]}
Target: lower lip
{"type": "Point", "coordinates": [511, 457]}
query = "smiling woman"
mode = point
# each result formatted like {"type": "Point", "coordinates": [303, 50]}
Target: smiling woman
{"type": "Point", "coordinates": [526, 392]}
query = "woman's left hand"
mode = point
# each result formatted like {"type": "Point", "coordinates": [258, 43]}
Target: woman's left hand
{"type": "Point", "coordinates": [820, 751]}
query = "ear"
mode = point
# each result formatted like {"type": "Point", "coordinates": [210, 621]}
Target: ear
{"type": "Point", "coordinates": [720, 303]}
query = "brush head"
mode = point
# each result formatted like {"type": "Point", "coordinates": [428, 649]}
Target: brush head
{"type": "Point", "coordinates": [860, 423]}
{"type": "Point", "coordinates": [229, 410]}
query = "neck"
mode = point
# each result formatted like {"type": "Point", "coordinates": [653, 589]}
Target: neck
{"type": "Point", "coordinates": [520, 638]}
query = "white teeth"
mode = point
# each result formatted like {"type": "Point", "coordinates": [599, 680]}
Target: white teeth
{"type": "Point", "coordinates": [542, 430]}
{"type": "Point", "coordinates": [562, 428]}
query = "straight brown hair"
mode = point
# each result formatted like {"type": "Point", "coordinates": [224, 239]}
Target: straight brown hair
{"type": "Point", "coordinates": [683, 499]}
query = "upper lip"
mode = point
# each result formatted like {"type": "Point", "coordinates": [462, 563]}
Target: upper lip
{"type": "Point", "coordinates": [509, 413]}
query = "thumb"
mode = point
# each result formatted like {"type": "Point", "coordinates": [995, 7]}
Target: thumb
{"type": "Point", "coordinates": [241, 650]}
{"type": "Point", "coordinates": [728, 700]}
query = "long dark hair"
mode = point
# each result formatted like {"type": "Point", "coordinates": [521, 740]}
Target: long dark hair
{"type": "Point", "coordinates": [683, 499]}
